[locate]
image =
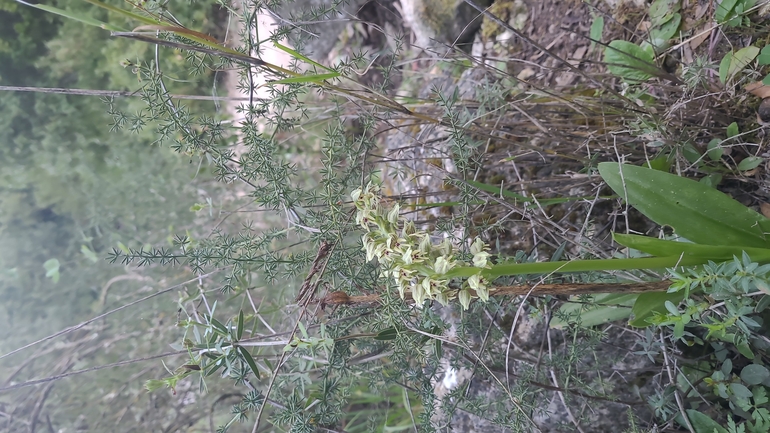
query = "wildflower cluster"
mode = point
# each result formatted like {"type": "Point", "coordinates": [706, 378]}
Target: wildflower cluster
{"type": "Point", "coordinates": [411, 259]}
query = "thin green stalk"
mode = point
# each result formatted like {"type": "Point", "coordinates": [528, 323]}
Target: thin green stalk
{"type": "Point", "coordinates": [502, 270]}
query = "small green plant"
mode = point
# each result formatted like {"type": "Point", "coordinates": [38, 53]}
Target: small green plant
{"type": "Point", "coordinates": [734, 62]}
{"type": "Point", "coordinates": [732, 13]}
{"type": "Point", "coordinates": [629, 61]}
{"type": "Point", "coordinates": [729, 317]}
{"type": "Point", "coordinates": [634, 63]}
{"type": "Point", "coordinates": [763, 59]}
{"type": "Point", "coordinates": [665, 21]}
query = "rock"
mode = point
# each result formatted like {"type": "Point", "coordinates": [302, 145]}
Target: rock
{"type": "Point", "coordinates": [438, 22]}
{"type": "Point", "coordinates": [764, 111]}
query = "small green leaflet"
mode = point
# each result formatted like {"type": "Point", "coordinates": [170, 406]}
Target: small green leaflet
{"type": "Point", "coordinates": [734, 62]}
{"type": "Point", "coordinates": [90, 255]}
{"type": "Point", "coordinates": [629, 61]}
{"type": "Point", "coordinates": [749, 163]}
{"type": "Point", "coordinates": [52, 269]}
{"type": "Point", "coordinates": [597, 28]}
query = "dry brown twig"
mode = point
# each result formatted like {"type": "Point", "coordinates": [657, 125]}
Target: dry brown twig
{"type": "Point", "coordinates": [308, 288]}
{"type": "Point", "coordinates": [568, 289]}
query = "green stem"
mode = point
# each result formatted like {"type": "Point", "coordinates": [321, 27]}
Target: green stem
{"type": "Point", "coordinates": [578, 266]}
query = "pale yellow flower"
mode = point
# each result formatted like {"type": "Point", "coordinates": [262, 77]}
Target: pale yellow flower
{"type": "Point", "coordinates": [443, 265]}
{"type": "Point", "coordinates": [478, 284]}
{"type": "Point", "coordinates": [480, 254]}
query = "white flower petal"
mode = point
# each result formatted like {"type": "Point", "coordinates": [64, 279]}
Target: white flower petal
{"type": "Point", "coordinates": [442, 298]}
{"type": "Point", "coordinates": [393, 214]}
{"type": "Point", "coordinates": [465, 298]}
{"type": "Point", "coordinates": [474, 281]}
{"type": "Point", "coordinates": [407, 256]}
{"type": "Point", "coordinates": [418, 294]}
{"type": "Point", "coordinates": [441, 266]}
{"type": "Point", "coordinates": [356, 194]}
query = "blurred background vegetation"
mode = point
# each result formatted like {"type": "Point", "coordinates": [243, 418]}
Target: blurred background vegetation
{"type": "Point", "coordinates": [70, 191]}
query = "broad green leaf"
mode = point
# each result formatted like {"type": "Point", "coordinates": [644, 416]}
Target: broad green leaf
{"type": "Point", "coordinates": [740, 390]}
{"type": "Point", "coordinates": [723, 10]}
{"type": "Point", "coordinates": [766, 80]}
{"type": "Point", "coordinates": [742, 57]}
{"type": "Point", "coordinates": [732, 130]}
{"type": "Point", "coordinates": [754, 374]}
{"type": "Point", "coordinates": [727, 367]}
{"type": "Point", "coordinates": [715, 150]}
{"type": "Point", "coordinates": [702, 423]}
{"type": "Point", "coordinates": [629, 61]}
{"type": "Point", "coordinates": [764, 56]}
{"type": "Point", "coordinates": [648, 303]}
{"type": "Point", "coordinates": [744, 349]}
{"type": "Point", "coordinates": [660, 36]}
{"type": "Point", "coordinates": [735, 18]}
{"type": "Point", "coordinates": [749, 163]}
{"type": "Point", "coordinates": [613, 306]}
{"type": "Point", "coordinates": [90, 255]}
{"type": "Point", "coordinates": [667, 248]}
{"type": "Point", "coordinates": [734, 62]}
{"type": "Point", "coordinates": [724, 67]}
{"type": "Point", "coordinates": [661, 11]}
{"type": "Point", "coordinates": [695, 211]}
{"type": "Point", "coordinates": [597, 28]}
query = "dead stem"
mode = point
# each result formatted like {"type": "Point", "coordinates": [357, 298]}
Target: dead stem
{"type": "Point", "coordinates": [565, 289]}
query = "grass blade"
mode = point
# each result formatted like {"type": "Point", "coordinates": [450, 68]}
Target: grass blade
{"type": "Point", "coordinates": [126, 14]}
{"type": "Point", "coordinates": [303, 58]}
{"type": "Point", "coordinates": [74, 16]}
{"type": "Point", "coordinates": [318, 78]}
